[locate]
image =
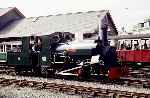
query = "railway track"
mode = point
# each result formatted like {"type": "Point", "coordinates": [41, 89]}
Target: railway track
{"type": "Point", "coordinates": [5, 69]}
{"type": "Point", "coordinates": [138, 77]}
{"type": "Point", "coordinates": [72, 89]}
{"type": "Point", "coordinates": [135, 78]}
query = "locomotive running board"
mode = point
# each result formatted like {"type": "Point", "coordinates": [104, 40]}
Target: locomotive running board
{"type": "Point", "coordinates": [68, 71]}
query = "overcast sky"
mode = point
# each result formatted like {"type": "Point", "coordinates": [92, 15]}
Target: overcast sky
{"type": "Point", "coordinates": [124, 12]}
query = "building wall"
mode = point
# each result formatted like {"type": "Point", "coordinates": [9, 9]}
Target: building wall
{"type": "Point", "coordinates": [142, 27]}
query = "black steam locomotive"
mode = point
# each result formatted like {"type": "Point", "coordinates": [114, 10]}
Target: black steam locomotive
{"type": "Point", "coordinates": [47, 56]}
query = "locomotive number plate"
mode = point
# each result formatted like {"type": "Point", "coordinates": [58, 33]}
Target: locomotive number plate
{"type": "Point", "coordinates": [43, 58]}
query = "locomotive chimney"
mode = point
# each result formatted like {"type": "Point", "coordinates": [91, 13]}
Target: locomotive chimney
{"type": "Point", "coordinates": [103, 26]}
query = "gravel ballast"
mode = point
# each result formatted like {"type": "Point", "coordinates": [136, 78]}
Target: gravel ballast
{"type": "Point", "coordinates": [77, 83]}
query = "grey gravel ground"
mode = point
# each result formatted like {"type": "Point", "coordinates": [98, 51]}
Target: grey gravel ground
{"type": "Point", "coordinates": [17, 92]}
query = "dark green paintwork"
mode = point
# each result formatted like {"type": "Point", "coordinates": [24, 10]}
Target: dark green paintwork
{"type": "Point", "coordinates": [20, 58]}
{"type": "Point", "coordinates": [45, 53]}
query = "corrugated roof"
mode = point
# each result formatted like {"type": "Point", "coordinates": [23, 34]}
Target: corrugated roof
{"type": "Point", "coordinates": [84, 22]}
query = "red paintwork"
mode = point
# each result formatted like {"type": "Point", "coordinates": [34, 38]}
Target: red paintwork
{"type": "Point", "coordinates": [114, 73]}
{"type": "Point", "coordinates": [134, 55]}
{"type": "Point", "coordinates": [146, 56]}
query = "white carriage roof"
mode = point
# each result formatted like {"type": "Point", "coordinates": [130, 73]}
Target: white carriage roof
{"type": "Point", "coordinates": [81, 22]}
{"type": "Point", "coordinates": [134, 36]}
{"type": "Point", "coordinates": [11, 43]}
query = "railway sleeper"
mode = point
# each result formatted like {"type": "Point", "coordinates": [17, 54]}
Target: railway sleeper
{"type": "Point", "coordinates": [39, 85]}
{"type": "Point", "coordinates": [146, 85]}
{"type": "Point", "coordinates": [22, 83]}
{"type": "Point", "coordinates": [35, 84]}
{"type": "Point", "coordinates": [50, 85]}
{"type": "Point", "coordinates": [101, 95]}
{"type": "Point", "coordinates": [124, 96]}
{"type": "Point", "coordinates": [7, 82]}
{"type": "Point", "coordinates": [72, 91]}
{"type": "Point", "coordinates": [56, 89]}
{"type": "Point", "coordinates": [68, 90]}
{"type": "Point", "coordinates": [4, 80]}
{"type": "Point", "coordinates": [50, 88]}
{"type": "Point", "coordinates": [4, 84]}
{"type": "Point", "coordinates": [90, 93]}
{"type": "Point", "coordinates": [136, 84]}
{"type": "Point", "coordinates": [64, 89]}
{"type": "Point", "coordinates": [13, 81]}
{"type": "Point", "coordinates": [30, 84]}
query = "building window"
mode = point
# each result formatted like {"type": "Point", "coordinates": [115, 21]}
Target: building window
{"type": "Point", "coordinates": [149, 23]}
{"type": "Point", "coordinates": [1, 48]}
{"type": "Point", "coordinates": [146, 24]}
{"type": "Point", "coordinates": [8, 48]}
{"type": "Point", "coordinates": [141, 25]}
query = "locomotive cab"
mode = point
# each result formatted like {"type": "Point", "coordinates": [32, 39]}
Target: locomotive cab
{"type": "Point", "coordinates": [34, 55]}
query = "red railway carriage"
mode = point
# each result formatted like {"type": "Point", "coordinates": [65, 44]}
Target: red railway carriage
{"type": "Point", "coordinates": [133, 48]}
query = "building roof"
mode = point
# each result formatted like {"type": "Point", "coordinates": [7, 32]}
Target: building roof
{"type": "Point", "coordinates": [7, 15]}
{"type": "Point", "coordinates": [84, 22]}
{"type": "Point", "coordinates": [4, 10]}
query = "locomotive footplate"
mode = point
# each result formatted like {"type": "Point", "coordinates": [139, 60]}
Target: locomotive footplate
{"type": "Point", "coordinates": [80, 71]}
{"type": "Point", "coordinates": [71, 71]}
